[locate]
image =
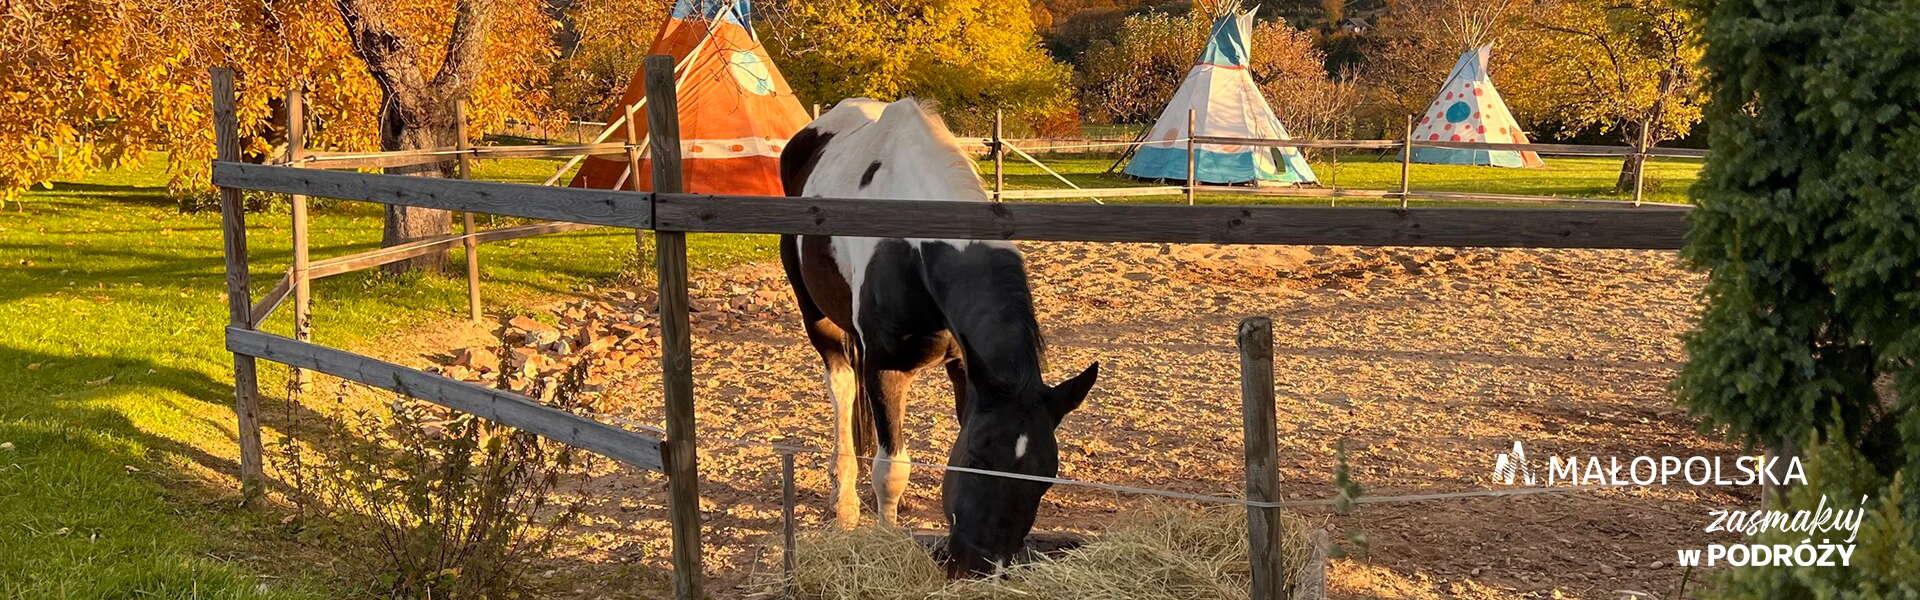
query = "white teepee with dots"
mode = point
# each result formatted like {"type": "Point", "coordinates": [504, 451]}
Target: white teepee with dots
{"type": "Point", "coordinates": [1468, 108]}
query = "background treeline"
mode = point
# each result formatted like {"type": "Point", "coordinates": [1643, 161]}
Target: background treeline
{"type": "Point", "coordinates": [97, 82]}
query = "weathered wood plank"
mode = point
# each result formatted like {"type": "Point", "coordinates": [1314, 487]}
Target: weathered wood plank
{"type": "Point", "coordinates": [1299, 143]}
{"type": "Point", "coordinates": [1121, 192]}
{"type": "Point", "coordinates": [233, 231]}
{"type": "Point", "coordinates": [1266, 538]}
{"type": "Point", "coordinates": [597, 207]}
{"type": "Point", "coordinates": [632, 448]}
{"type": "Point", "coordinates": [272, 300]}
{"type": "Point", "coordinates": [1354, 226]}
{"type": "Point", "coordinates": [676, 336]}
{"type": "Point", "coordinates": [298, 273]}
{"type": "Point", "coordinates": [349, 263]}
{"type": "Point", "coordinates": [464, 170]}
{"type": "Point", "coordinates": [402, 158]}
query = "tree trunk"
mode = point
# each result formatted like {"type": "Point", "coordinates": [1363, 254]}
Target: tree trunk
{"type": "Point", "coordinates": [416, 124]}
{"type": "Point", "coordinates": [1628, 167]}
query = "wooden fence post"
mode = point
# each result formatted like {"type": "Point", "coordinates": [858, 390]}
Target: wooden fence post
{"type": "Point", "coordinates": [633, 177]}
{"type": "Point", "coordinates": [676, 343]}
{"type": "Point", "coordinates": [1264, 532]}
{"type": "Point", "coordinates": [233, 230]}
{"type": "Point", "coordinates": [463, 170]}
{"type": "Point", "coordinates": [786, 517]}
{"type": "Point", "coordinates": [1193, 174]}
{"type": "Point", "coordinates": [999, 158]}
{"type": "Point", "coordinates": [300, 271]}
{"type": "Point", "coordinates": [1640, 162]}
{"type": "Point", "coordinates": [1406, 162]}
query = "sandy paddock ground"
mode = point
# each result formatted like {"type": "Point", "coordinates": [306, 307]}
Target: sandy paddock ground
{"type": "Point", "coordinates": [1426, 361]}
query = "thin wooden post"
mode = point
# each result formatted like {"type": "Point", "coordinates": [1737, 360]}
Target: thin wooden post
{"type": "Point", "coordinates": [1264, 533]}
{"type": "Point", "coordinates": [1640, 162]}
{"type": "Point", "coordinates": [999, 158]}
{"type": "Point", "coordinates": [676, 342]}
{"type": "Point", "coordinates": [633, 176]}
{"type": "Point", "coordinates": [1333, 176]}
{"type": "Point", "coordinates": [233, 230]}
{"type": "Point", "coordinates": [1193, 175]}
{"type": "Point", "coordinates": [464, 170]}
{"type": "Point", "coordinates": [1406, 162]}
{"type": "Point", "coordinates": [786, 518]}
{"type": "Point", "coordinates": [300, 272]}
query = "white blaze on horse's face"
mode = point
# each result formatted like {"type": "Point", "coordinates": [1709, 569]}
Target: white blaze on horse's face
{"type": "Point", "coordinates": [1020, 447]}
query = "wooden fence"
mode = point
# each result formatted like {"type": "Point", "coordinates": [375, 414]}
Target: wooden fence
{"type": "Point", "coordinates": [671, 215]}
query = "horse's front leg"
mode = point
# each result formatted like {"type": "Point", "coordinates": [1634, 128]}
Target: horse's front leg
{"type": "Point", "coordinates": [892, 460]}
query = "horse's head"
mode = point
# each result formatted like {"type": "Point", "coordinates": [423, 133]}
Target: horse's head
{"type": "Point", "coordinates": [988, 517]}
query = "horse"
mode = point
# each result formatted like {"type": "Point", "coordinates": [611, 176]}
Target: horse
{"type": "Point", "coordinates": [881, 310]}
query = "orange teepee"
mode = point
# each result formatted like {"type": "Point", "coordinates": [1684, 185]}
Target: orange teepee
{"type": "Point", "coordinates": [736, 111]}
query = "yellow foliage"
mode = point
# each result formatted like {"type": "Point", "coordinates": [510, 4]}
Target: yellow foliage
{"type": "Point", "coordinates": [98, 82]}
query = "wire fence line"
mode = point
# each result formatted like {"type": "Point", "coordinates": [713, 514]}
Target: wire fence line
{"type": "Point", "coordinates": [796, 449]}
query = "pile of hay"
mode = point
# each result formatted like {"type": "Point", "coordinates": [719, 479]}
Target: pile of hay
{"type": "Point", "coordinates": [1163, 552]}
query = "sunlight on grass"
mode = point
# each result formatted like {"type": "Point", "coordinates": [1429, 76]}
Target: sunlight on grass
{"type": "Point", "coordinates": [118, 482]}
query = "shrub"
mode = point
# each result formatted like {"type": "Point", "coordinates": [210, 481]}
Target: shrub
{"type": "Point", "coordinates": [1809, 218]}
{"type": "Point", "coordinates": [426, 503]}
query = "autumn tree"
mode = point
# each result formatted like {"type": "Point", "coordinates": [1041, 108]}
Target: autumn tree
{"type": "Point", "coordinates": [101, 82]}
{"type": "Point", "coordinates": [968, 56]}
{"type": "Point", "coordinates": [1619, 66]}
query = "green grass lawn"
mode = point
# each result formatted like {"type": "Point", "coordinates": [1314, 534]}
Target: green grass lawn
{"type": "Point", "coordinates": [118, 478]}
{"type": "Point", "coordinates": [117, 483]}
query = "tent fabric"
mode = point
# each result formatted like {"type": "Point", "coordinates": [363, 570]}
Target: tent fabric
{"type": "Point", "coordinates": [1226, 103]}
{"type": "Point", "coordinates": [1469, 109]}
{"type": "Point", "coordinates": [736, 111]}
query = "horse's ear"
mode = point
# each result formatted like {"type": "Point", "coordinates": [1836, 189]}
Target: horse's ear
{"type": "Point", "coordinates": [1069, 394]}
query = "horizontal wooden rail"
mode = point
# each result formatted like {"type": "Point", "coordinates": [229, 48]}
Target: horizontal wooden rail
{"type": "Point", "coordinates": [337, 265]}
{"type": "Point", "coordinates": [507, 408]}
{"type": "Point", "coordinates": [1119, 192]}
{"type": "Point", "coordinates": [1530, 198]}
{"type": "Point", "coordinates": [1299, 143]}
{"type": "Point", "coordinates": [424, 246]}
{"type": "Point", "coordinates": [573, 205]}
{"type": "Point", "coordinates": [272, 300]}
{"type": "Point", "coordinates": [1354, 226]}
{"type": "Point", "coordinates": [1551, 149]}
{"type": "Point", "coordinates": [402, 158]}
{"type": "Point", "coordinates": [1564, 149]}
{"type": "Point", "coordinates": [1487, 227]}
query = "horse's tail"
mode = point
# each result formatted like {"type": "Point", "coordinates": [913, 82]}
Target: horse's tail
{"type": "Point", "coordinates": [864, 438]}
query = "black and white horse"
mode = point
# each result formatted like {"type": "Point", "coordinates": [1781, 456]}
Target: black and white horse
{"type": "Point", "coordinates": [881, 310]}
